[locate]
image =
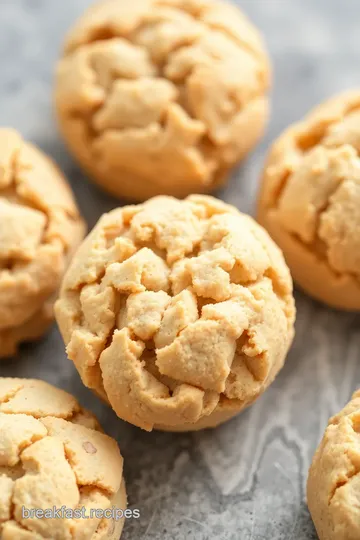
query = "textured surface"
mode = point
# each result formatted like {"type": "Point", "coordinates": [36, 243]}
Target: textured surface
{"type": "Point", "coordinates": [52, 453]}
{"type": "Point", "coordinates": [40, 228]}
{"type": "Point", "coordinates": [179, 313]}
{"type": "Point", "coordinates": [184, 83]}
{"type": "Point", "coordinates": [244, 481]}
{"type": "Point", "coordinates": [310, 198]}
{"type": "Point", "coordinates": [333, 484]}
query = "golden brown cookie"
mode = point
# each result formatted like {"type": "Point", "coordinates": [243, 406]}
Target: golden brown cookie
{"type": "Point", "coordinates": [54, 454]}
{"type": "Point", "coordinates": [310, 201]}
{"type": "Point", "coordinates": [178, 313]}
{"type": "Point", "coordinates": [40, 227]}
{"type": "Point", "coordinates": [162, 96]}
{"type": "Point", "coordinates": [333, 486]}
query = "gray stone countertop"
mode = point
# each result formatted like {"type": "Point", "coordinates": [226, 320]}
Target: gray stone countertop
{"type": "Point", "coordinates": [246, 479]}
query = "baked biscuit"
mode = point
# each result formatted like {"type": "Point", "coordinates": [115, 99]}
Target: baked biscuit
{"type": "Point", "coordinates": [333, 485]}
{"type": "Point", "coordinates": [162, 96]}
{"type": "Point", "coordinates": [40, 227]}
{"type": "Point", "coordinates": [53, 454]}
{"type": "Point", "coordinates": [178, 313]}
{"type": "Point", "coordinates": [310, 201]}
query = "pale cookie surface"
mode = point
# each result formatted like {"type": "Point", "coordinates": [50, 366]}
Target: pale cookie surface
{"type": "Point", "coordinates": [40, 227]}
{"type": "Point", "coordinates": [178, 313]}
{"type": "Point", "coordinates": [333, 488]}
{"type": "Point", "coordinates": [53, 454]}
{"type": "Point", "coordinates": [310, 201]}
{"type": "Point", "coordinates": [162, 96]}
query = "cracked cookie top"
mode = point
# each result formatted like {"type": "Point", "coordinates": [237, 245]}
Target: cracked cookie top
{"type": "Point", "coordinates": [182, 83]}
{"type": "Point", "coordinates": [334, 483]}
{"type": "Point", "coordinates": [172, 309]}
{"type": "Point", "coordinates": [53, 454]}
{"type": "Point", "coordinates": [311, 190]}
{"type": "Point", "coordinates": [39, 227]}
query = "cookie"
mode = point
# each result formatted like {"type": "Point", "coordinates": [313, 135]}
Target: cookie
{"type": "Point", "coordinates": [333, 484]}
{"type": "Point", "coordinates": [177, 313]}
{"type": "Point", "coordinates": [54, 457]}
{"type": "Point", "coordinates": [40, 227]}
{"type": "Point", "coordinates": [162, 96]}
{"type": "Point", "coordinates": [310, 201]}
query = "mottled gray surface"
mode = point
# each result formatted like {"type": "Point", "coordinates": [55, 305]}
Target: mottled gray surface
{"type": "Point", "coordinates": [245, 480]}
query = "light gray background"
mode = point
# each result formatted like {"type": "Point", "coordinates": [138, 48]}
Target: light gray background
{"type": "Point", "coordinates": [245, 480]}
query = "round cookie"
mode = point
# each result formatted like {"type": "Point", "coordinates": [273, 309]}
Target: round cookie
{"type": "Point", "coordinates": [177, 313]}
{"type": "Point", "coordinates": [162, 96]}
{"type": "Point", "coordinates": [333, 487]}
{"type": "Point", "coordinates": [54, 454]}
{"type": "Point", "coordinates": [40, 227]}
{"type": "Point", "coordinates": [310, 201]}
